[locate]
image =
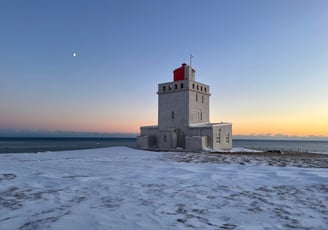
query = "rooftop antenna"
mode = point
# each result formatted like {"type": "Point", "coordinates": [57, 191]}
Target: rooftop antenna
{"type": "Point", "coordinates": [190, 59]}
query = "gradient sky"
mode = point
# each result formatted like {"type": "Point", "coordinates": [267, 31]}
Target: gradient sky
{"type": "Point", "coordinates": [266, 63]}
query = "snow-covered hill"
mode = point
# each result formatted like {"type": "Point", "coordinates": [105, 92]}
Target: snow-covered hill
{"type": "Point", "coordinates": [122, 188]}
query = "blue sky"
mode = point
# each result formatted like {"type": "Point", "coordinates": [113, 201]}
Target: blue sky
{"type": "Point", "coordinates": [266, 63]}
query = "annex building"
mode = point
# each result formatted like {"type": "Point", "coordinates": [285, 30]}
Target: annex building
{"type": "Point", "coordinates": [184, 117]}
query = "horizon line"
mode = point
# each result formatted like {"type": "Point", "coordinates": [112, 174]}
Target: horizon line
{"type": "Point", "coordinates": [7, 133]}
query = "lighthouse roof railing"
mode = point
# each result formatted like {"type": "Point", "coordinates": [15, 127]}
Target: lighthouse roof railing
{"type": "Point", "coordinates": [172, 86]}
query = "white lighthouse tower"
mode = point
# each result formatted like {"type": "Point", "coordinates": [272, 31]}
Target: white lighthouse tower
{"type": "Point", "coordinates": [183, 117]}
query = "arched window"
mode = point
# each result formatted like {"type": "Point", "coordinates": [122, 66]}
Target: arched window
{"type": "Point", "coordinates": [218, 137]}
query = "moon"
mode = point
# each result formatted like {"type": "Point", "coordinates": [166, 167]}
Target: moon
{"type": "Point", "coordinates": [74, 54]}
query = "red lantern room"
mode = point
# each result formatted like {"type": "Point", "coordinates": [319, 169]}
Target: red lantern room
{"type": "Point", "coordinates": [185, 72]}
{"type": "Point", "coordinates": [179, 73]}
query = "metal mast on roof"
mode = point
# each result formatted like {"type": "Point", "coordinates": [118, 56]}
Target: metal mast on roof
{"type": "Point", "coordinates": [190, 59]}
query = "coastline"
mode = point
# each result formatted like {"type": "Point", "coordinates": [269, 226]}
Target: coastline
{"type": "Point", "coordinates": [277, 155]}
{"type": "Point", "coordinates": [44, 144]}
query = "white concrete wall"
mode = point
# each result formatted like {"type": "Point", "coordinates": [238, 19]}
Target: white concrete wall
{"type": "Point", "coordinates": [190, 104]}
{"type": "Point", "coordinates": [143, 142]}
{"type": "Point", "coordinates": [201, 131]}
{"type": "Point", "coordinates": [198, 107]}
{"type": "Point", "coordinates": [148, 138]}
{"type": "Point", "coordinates": [167, 139]}
{"type": "Point", "coordinates": [196, 143]}
{"type": "Point", "coordinates": [173, 106]}
{"type": "Point", "coordinates": [222, 136]}
{"type": "Point", "coordinates": [189, 73]}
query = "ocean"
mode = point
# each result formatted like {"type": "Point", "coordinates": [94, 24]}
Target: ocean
{"type": "Point", "coordinates": [24, 145]}
{"type": "Point", "coordinates": [317, 146]}
{"type": "Point", "coordinates": [43, 144]}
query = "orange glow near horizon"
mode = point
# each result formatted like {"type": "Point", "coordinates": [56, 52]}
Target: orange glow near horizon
{"type": "Point", "coordinates": [255, 126]}
{"type": "Point", "coordinates": [305, 125]}
{"type": "Point", "coordinates": [300, 122]}
{"type": "Point", "coordinates": [296, 127]}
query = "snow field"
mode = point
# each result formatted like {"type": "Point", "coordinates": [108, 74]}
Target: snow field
{"type": "Point", "coordinates": [123, 188]}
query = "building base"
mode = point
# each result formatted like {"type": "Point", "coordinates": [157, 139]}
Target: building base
{"type": "Point", "coordinates": [195, 138]}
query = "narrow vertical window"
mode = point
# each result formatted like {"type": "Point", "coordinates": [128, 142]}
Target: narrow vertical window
{"type": "Point", "coordinates": [203, 99]}
{"type": "Point", "coordinates": [193, 86]}
{"type": "Point", "coordinates": [181, 86]}
{"type": "Point", "coordinates": [228, 138]}
{"type": "Point", "coordinates": [205, 89]}
{"type": "Point", "coordinates": [201, 88]}
{"type": "Point", "coordinates": [201, 115]}
{"type": "Point", "coordinates": [164, 88]}
{"type": "Point", "coordinates": [172, 115]}
{"type": "Point", "coordinates": [196, 97]}
{"type": "Point", "coordinates": [175, 86]}
{"type": "Point", "coordinates": [218, 137]}
{"type": "Point", "coordinates": [197, 87]}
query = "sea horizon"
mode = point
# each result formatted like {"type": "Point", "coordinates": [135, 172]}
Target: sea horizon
{"type": "Point", "coordinates": [43, 144]}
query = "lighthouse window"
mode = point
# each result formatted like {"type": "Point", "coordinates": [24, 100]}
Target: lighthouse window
{"type": "Point", "coordinates": [205, 89]}
{"type": "Point", "coordinates": [228, 138]}
{"type": "Point", "coordinates": [193, 86]}
{"type": "Point", "coordinates": [197, 87]}
{"type": "Point", "coordinates": [218, 137]}
{"type": "Point", "coordinates": [175, 86]}
{"type": "Point", "coordinates": [201, 88]}
{"type": "Point", "coordinates": [164, 88]}
{"type": "Point", "coordinates": [181, 86]}
{"type": "Point", "coordinates": [201, 116]}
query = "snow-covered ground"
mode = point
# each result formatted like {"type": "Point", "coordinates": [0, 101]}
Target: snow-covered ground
{"type": "Point", "coordinates": [122, 188]}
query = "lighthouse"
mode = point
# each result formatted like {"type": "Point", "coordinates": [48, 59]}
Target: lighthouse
{"type": "Point", "coordinates": [183, 117]}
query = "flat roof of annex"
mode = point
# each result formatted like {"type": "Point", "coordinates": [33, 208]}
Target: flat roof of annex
{"type": "Point", "coordinates": [207, 125]}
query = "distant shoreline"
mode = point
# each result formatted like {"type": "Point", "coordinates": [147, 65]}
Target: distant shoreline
{"type": "Point", "coordinates": [31, 137]}
{"type": "Point", "coordinates": [44, 144]}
